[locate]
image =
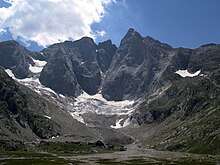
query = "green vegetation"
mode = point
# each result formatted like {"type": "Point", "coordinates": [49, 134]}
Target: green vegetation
{"type": "Point", "coordinates": [17, 113]}
{"type": "Point", "coordinates": [22, 158]}
{"type": "Point", "coordinates": [66, 147]}
{"type": "Point", "coordinates": [193, 105]}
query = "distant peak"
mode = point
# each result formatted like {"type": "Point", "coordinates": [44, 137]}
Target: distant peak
{"type": "Point", "coordinates": [107, 42]}
{"type": "Point", "coordinates": [13, 42]}
{"type": "Point", "coordinates": [131, 30]}
{"type": "Point", "coordinates": [132, 34]}
{"type": "Point", "coordinates": [88, 39]}
{"type": "Point", "coordinates": [151, 41]}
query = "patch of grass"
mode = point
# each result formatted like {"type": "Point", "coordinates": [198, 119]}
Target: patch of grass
{"type": "Point", "coordinates": [26, 158]}
{"type": "Point", "coordinates": [64, 147]}
{"type": "Point", "coordinates": [156, 161]}
{"type": "Point", "coordinates": [108, 161]}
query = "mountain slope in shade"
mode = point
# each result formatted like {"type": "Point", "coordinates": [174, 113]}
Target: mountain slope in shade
{"type": "Point", "coordinates": [30, 116]}
{"type": "Point", "coordinates": [77, 65]}
{"type": "Point", "coordinates": [15, 57]}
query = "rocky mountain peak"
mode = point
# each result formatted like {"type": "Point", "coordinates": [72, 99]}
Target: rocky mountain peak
{"type": "Point", "coordinates": [105, 51]}
{"type": "Point", "coordinates": [131, 36]}
{"type": "Point", "coordinates": [15, 57]}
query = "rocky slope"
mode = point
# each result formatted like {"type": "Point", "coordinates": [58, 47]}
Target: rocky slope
{"type": "Point", "coordinates": [26, 117]}
{"type": "Point", "coordinates": [185, 117]}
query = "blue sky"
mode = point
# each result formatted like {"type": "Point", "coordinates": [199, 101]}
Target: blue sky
{"type": "Point", "coordinates": [181, 23]}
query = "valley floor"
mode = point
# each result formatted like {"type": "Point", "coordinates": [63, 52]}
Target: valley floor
{"type": "Point", "coordinates": [133, 155]}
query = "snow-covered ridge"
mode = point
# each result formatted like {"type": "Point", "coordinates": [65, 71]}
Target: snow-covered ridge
{"type": "Point", "coordinates": [185, 73]}
{"type": "Point", "coordinates": [38, 67]}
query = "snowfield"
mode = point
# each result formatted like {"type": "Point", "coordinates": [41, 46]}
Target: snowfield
{"type": "Point", "coordinates": [96, 104]}
{"type": "Point", "coordinates": [38, 67]}
{"type": "Point", "coordinates": [32, 82]}
{"type": "Point", "coordinates": [185, 73]}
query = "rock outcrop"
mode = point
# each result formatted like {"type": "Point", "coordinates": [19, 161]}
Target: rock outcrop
{"type": "Point", "coordinates": [15, 57]}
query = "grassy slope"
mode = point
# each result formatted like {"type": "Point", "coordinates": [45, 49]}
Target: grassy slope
{"type": "Point", "coordinates": [186, 117]}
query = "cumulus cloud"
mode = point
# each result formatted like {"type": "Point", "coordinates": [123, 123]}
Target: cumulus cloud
{"type": "Point", "coordinates": [2, 31]}
{"type": "Point", "coordinates": [51, 21]}
{"type": "Point", "coordinates": [101, 33]}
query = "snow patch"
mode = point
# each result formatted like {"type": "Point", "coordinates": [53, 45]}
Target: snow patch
{"type": "Point", "coordinates": [38, 67]}
{"type": "Point", "coordinates": [62, 96]}
{"type": "Point", "coordinates": [127, 122]}
{"type": "Point", "coordinates": [53, 137]}
{"type": "Point", "coordinates": [117, 124]}
{"type": "Point", "coordinates": [9, 72]}
{"type": "Point", "coordinates": [32, 82]}
{"type": "Point", "coordinates": [78, 117]}
{"type": "Point", "coordinates": [47, 116]}
{"type": "Point", "coordinates": [185, 73]}
{"type": "Point", "coordinates": [85, 96]}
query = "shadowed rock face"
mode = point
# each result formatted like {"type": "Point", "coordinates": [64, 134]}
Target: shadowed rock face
{"type": "Point", "coordinates": [59, 75]}
{"type": "Point", "coordinates": [76, 65]}
{"type": "Point", "coordinates": [106, 51]}
{"type": "Point", "coordinates": [15, 57]}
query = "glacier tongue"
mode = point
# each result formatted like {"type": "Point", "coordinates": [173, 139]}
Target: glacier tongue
{"type": "Point", "coordinates": [110, 107]}
{"type": "Point", "coordinates": [97, 105]}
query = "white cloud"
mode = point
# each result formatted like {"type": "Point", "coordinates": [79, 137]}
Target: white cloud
{"type": "Point", "coordinates": [101, 33]}
{"type": "Point", "coordinates": [2, 31]}
{"type": "Point", "coordinates": [51, 21]}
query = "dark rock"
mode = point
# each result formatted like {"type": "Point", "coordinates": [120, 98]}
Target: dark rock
{"type": "Point", "coordinates": [15, 57]}
{"type": "Point", "coordinates": [106, 50]}
{"type": "Point", "coordinates": [74, 65]}
{"type": "Point", "coordinates": [38, 56]}
{"type": "Point", "coordinates": [99, 143]}
{"type": "Point", "coordinates": [206, 58]}
{"type": "Point", "coordinates": [136, 66]}
{"type": "Point", "coordinates": [59, 76]}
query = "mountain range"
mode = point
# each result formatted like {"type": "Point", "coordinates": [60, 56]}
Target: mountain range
{"type": "Point", "coordinates": [143, 92]}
